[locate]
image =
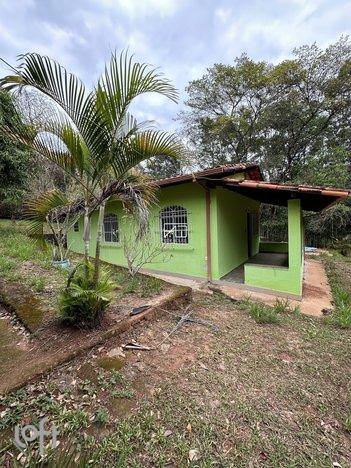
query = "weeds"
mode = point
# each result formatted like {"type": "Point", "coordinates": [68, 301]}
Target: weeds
{"type": "Point", "coordinates": [101, 417]}
{"type": "Point", "coordinates": [342, 299]}
{"type": "Point", "coordinates": [38, 284]}
{"type": "Point", "coordinates": [145, 286]}
{"type": "Point", "coordinates": [262, 313]}
{"type": "Point", "coordinates": [347, 423]}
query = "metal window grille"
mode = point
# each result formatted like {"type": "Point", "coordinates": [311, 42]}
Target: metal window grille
{"type": "Point", "coordinates": [174, 225]}
{"type": "Point", "coordinates": [76, 227]}
{"type": "Point", "coordinates": [111, 233]}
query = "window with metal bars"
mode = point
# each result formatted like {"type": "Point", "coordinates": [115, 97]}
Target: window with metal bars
{"type": "Point", "coordinates": [111, 233]}
{"type": "Point", "coordinates": [174, 225]}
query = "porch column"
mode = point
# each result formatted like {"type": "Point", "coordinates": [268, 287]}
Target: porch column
{"type": "Point", "coordinates": [295, 237]}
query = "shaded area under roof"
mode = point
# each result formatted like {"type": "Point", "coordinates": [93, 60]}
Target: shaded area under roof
{"type": "Point", "coordinates": [312, 198]}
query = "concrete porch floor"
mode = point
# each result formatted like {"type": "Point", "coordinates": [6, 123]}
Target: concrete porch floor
{"type": "Point", "coordinates": [262, 258]}
{"type": "Point", "coordinates": [316, 294]}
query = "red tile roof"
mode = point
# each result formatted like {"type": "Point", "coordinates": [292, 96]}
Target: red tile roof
{"type": "Point", "coordinates": [313, 198]}
{"type": "Point", "coordinates": [252, 171]}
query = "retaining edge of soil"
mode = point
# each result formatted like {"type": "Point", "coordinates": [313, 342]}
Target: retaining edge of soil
{"type": "Point", "coordinates": [179, 297]}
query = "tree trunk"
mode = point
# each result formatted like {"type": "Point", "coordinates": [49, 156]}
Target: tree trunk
{"type": "Point", "coordinates": [86, 238]}
{"type": "Point", "coordinates": [98, 244]}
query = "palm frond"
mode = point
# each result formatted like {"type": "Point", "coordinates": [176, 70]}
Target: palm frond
{"type": "Point", "coordinates": [49, 77]}
{"type": "Point", "coordinates": [137, 193]}
{"type": "Point", "coordinates": [39, 209]}
{"type": "Point", "coordinates": [67, 91]}
{"type": "Point", "coordinates": [123, 80]}
{"type": "Point", "coordinates": [139, 147]}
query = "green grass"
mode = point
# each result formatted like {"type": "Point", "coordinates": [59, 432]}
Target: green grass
{"type": "Point", "coordinates": [263, 313]}
{"type": "Point", "coordinates": [262, 396]}
{"type": "Point", "coordinates": [21, 260]}
{"type": "Point", "coordinates": [142, 285]}
{"type": "Point", "coordinates": [101, 417]}
{"type": "Point", "coordinates": [339, 274]}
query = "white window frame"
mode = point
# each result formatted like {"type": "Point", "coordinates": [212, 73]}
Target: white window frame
{"type": "Point", "coordinates": [174, 225]}
{"type": "Point", "coordinates": [111, 218]}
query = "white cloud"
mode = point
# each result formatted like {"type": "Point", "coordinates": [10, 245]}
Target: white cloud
{"type": "Point", "coordinates": [223, 14]}
{"type": "Point", "coordinates": [182, 37]}
{"type": "Point", "coordinates": [269, 35]}
{"type": "Point", "coordinates": [135, 8]}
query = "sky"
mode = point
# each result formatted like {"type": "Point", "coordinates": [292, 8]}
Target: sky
{"type": "Point", "coordinates": [182, 37]}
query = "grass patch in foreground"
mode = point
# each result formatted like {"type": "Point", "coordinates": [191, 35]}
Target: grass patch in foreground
{"type": "Point", "coordinates": [341, 293]}
{"type": "Point", "coordinates": [143, 285]}
{"type": "Point", "coordinates": [263, 313]}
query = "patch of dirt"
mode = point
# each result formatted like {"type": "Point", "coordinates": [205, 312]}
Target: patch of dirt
{"type": "Point", "coordinates": [55, 343]}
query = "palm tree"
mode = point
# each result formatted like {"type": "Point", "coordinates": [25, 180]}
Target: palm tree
{"type": "Point", "coordinates": [92, 134]}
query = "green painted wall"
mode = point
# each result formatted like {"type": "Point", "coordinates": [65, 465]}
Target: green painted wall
{"type": "Point", "coordinates": [228, 238]}
{"type": "Point", "coordinates": [289, 279]}
{"type": "Point", "coordinates": [229, 230]}
{"type": "Point", "coordinates": [187, 259]}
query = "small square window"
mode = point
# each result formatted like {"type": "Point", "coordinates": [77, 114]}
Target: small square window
{"type": "Point", "coordinates": [111, 233]}
{"type": "Point", "coordinates": [174, 225]}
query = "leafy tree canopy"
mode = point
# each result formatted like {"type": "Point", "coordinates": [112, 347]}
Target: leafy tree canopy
{"type": "Point", "coordinates": [289, 117]}
{"type": "Point", "coordinates": [14, 158]}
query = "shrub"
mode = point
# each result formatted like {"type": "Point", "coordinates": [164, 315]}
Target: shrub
{"type": "Point", "coordinates": [81, 303]}
{"type": "Point", "coordinates": [262, 313]}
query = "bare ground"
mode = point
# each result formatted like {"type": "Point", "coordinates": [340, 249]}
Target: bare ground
{"type": "Point", "coordinates": [249, 395]}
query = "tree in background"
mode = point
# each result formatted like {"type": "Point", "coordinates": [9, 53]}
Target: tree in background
{"type": "Point", "coordinates": [279, 115]}
{"type": "Point", "coordinates": [15, 164]}
{"type": "Point", "coordinates": [293, 118]}
{"type": "Point", "coordinates": [161, 168]}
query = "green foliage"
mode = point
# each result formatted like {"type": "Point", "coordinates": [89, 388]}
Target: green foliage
{"type": "Point", "coordinates": [262, 313]}
{"type": "Point", "coordinates": [294, 118]}
{"type": "Point", "coordinates": [101, 417]}
{"type": "Point", "coordinates": [38, 284]}
{"type": "Point", "coordinates": [68, 457]}
{"type": "Point", "coordinates": [14, 157]}
{"type": "Point", "coordinates": [83, 304]}
{"type": "Point", "coordinates": [95, 140]}
{"type": "Point", "coordinates": [162, 168]}
{"type": "Point", "coordinates": [283, 306]}
{"type": "Point", "coordinates": [73, 420]}
{"type": "Point", "coordinates": [286, 115]}
{"type": "Point", "coordinates": [347, 423]}
{"type": "Point", "coordinates": [342, 314]}
{"type": "Point", "coordinates": [341, 317]}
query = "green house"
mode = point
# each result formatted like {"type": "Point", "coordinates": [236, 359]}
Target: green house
{"type": "Point", "coordinates": [206, 226]}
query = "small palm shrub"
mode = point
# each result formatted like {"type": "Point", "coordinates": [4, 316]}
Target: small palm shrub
{"type": "Point", "coordinates": [81, 303]}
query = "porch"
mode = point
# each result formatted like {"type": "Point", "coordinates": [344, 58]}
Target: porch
{"type": "Point", "coordinates": [238, 255]}
{"type": "Point", "coordinates": [270, 259]}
